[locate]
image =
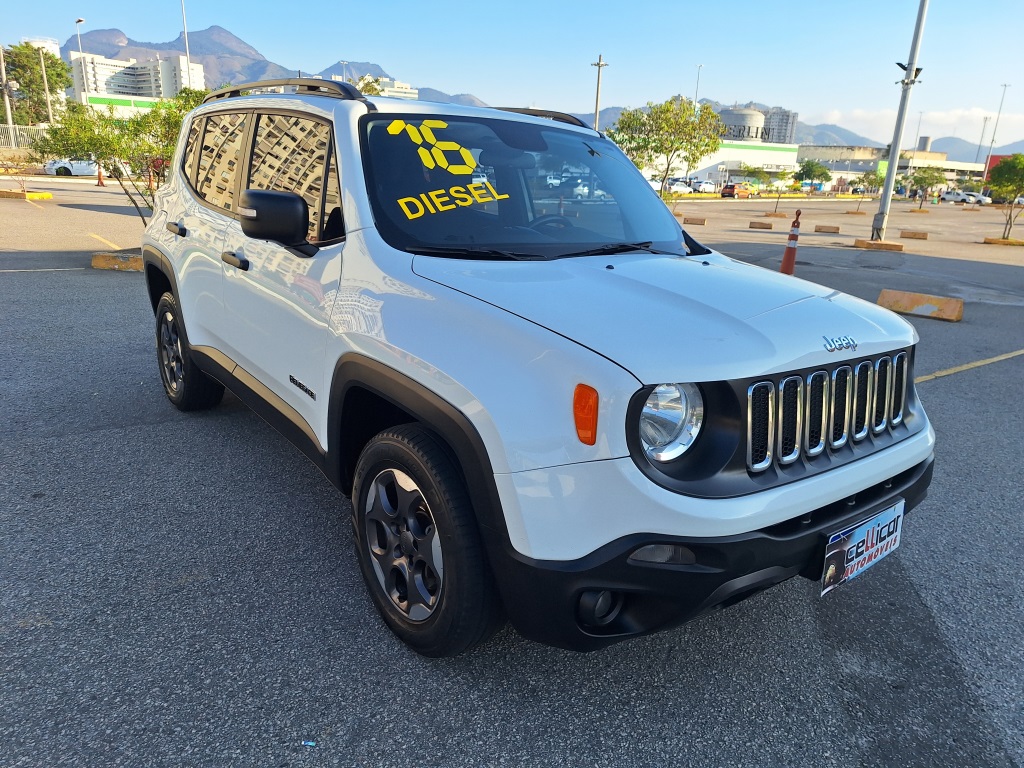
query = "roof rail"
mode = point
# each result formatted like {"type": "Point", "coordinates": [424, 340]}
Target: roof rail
{"type": "Point", "coordinates": [561, 117]}
{"type": "Point", "coordinates": [333, 88]}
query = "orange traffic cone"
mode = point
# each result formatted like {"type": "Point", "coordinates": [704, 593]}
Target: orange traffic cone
{"type": "Point", "coordinates": [789, 257]}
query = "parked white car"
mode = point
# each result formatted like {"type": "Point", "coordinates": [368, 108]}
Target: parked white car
{"type": "Point", "coordinates": [573, 416]}
{"type": "Point", "coordinates": [73, 166]}
{"type": "Point", "coordinates": [679, 188]}
{"type": "Point", "coordinates": [957, 196]}
{"type": "Point", "coordinates": [703, 186]}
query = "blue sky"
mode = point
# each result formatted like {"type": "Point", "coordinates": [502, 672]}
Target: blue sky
{"type": "Point", "coordinates": [830, 60]}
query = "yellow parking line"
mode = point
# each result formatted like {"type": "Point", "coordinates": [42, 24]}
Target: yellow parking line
{"type": "Point", "coordinates": [968, 366]}
{"type": "Point", "coordinates": [106, 242]}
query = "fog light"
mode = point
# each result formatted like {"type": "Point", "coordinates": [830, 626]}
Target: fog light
{"type": "Point", "coordinates": [666, 554]}
{"type": "Point", "coordinates": [599, 607]}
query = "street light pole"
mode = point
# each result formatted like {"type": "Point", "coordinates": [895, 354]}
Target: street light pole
{"type": "Point", "coordinates": [184, 31]}
{"type": "Point", "coordinates": [81, 58]}
{"type": "Point", "coordinates": [909, 79]}
{"type": "Point", "coordinates": [46, 86]}
{"type": "Point", "coordinates": [697, 89]}
{"type": "Point", "coordinates": [4, 87]}
{"type": "Point", "coordinates": [981, 141]}
{"type": "Point", "coordinates": [995, 128]}
{"type": "Point", "coordinates": [600, 64]}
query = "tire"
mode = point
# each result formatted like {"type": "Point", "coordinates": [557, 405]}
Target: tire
{"type": "Point", "coordinates": [418, 545]}
{"type": "Point", "coordinates": [62, 171]}
{"type": "Point", "coordinates": [187, 387]}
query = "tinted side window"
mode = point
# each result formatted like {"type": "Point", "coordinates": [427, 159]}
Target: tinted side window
{"type": "Point", "coordinates": [290, 155]}
{"type": "Point", "coordinates": [188, 163]}
{"type": "Point", "coordinates": [219, 159]}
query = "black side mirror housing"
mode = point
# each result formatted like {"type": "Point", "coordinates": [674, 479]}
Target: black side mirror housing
{"type": "Point", "coordinates": [282, 217]}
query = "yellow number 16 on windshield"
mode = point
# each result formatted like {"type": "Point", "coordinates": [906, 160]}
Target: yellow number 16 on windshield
{"type": "Point", "coordinates": [435, 157]}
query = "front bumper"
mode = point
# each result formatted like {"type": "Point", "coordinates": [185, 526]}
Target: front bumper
{"type": "Point", "coordinates": [549, 601]}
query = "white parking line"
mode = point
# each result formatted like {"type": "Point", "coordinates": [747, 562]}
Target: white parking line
{"type": "Point", "coordinates": [47, 269]}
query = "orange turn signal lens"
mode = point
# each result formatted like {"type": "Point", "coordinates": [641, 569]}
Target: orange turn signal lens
{"type": "Point", "coordinates": [584, 411]}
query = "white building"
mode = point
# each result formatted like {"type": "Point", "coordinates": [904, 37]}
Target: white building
{"type": "Point", "coordinates": [388, 86]}
{"type": "Point", "coordinates": [130, 86]}
{"type": "Point", "coordinates": [780, 125]}
{"type": "Point", "coordinates": [48, 44]}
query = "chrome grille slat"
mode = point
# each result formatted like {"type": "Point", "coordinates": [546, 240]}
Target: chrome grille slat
{"type": "Point", "coordinates": [796, 416]}
{"type": "Point", "coordinates": [816, 420]}
{"type": "Point", "coordinates": [881, 400]}
{"type": "Point", "coordinates": [899, 389]}
{"type": "Point", "coordinates": [842, 399]}
{"type": "Point", "coordinates": [791, 406]}
{"type": "Point", "coordinates": [760, 425]}
{"type": "Point", "coordinates": [860, 416]}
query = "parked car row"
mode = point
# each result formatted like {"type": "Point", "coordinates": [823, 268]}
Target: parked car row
{"type": "Point", "coordinates": [971, 198]}
{"type": "Point", "coordinates": [740, 190]}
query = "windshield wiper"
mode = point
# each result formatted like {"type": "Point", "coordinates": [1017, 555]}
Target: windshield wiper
{"type": "Point", "coordinates": [488, 254]}
{"type": "Point", "coordinates": [610, 248]}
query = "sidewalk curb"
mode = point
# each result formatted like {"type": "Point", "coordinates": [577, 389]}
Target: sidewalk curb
{"type": "Point", "coordinates": [922, 304]}
{"type": "Point", "coordinates": [129, 260]}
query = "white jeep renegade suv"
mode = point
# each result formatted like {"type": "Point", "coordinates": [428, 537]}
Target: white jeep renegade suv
{"type": "Point", "coordinates": [566, 412]}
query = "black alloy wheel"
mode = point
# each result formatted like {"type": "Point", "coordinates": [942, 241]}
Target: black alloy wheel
{"type": "Point", "coordinates": [187, 387]}
{"type": "Point", "coordinates": [418, 545]}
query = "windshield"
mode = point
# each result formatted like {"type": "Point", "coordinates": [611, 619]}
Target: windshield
{"type": "Point", "coordinates": [492, 188]}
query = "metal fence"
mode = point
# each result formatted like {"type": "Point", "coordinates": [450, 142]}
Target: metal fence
{"type": "Point", "coordinates": [18, 136]}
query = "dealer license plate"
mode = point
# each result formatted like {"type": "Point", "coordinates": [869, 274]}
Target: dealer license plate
{"type": "Point", "coordinates": [852, 551]}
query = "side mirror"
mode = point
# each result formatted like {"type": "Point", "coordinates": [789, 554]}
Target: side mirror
{"type": "Point", "coordinates": [282, 217]}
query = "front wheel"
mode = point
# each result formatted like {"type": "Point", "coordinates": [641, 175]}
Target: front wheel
{"type": "Point", "coordinates": [62, 171]}
{"type": "Point", "coordinates": [418, 546]}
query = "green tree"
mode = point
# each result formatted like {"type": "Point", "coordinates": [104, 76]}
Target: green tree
{"type": "Point", "coordinates": [661, 136]}
{"type": "Point", "coordinates": [925, 179]}
{"type": "Point", "coordinates": [870, 180]}
{"type": "Point", "coordinates": [144, 142]}
{"type": "Point", "coordinates": [1007, 180]}
{"type": "Point", "coordinates": [368, 86]}
{"type": "Point", "coordinates": [29, 101]}
{"type": "Point", "coordinates": [812, 171]}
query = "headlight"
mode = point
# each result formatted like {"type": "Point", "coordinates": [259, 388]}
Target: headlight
{"type": "Point", "coordinates": [671, 420]}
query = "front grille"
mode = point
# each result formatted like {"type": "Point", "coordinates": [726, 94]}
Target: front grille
{"type": "Point", "coordinates": [797, 415]}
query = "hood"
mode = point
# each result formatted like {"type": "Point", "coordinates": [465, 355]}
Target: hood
{"type": "Point", "coordinates": [669, 318]}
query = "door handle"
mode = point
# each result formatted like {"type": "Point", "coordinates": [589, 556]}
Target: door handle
{"type": "Point", "coordinates": [230, 258]}
{"type": "Point", "coordinates": [176, 228]}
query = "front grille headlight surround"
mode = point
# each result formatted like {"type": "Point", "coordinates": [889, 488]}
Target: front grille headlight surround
{"type": "Point", "coordinates": [670, 421]}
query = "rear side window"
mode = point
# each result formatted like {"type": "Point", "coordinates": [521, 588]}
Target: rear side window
{"type": "Point", "coordinates": [291, 154]}
{"type": "Point", "coordinates": [219, 159]}
{"type": "Point", "coordinates": [188, 163]}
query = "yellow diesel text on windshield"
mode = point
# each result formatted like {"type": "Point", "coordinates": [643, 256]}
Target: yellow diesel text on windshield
{"type": "Point", "coordinates": [441, 200]}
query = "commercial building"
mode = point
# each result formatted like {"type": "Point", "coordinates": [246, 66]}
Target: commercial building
{"type": "Point", "coordinates": [847, 163]}
{"type": "Point", "coordinates": [130, 86]}
{"type": "Point", "coordinates": [747, 142]}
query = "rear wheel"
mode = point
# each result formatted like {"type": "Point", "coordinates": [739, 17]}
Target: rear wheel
{"type": "Point", "coordinates": [418, 546]}
{"type": "Point", "coordinates": [63, 171]}
{"type": "Point", "coordinates": [184, 384]}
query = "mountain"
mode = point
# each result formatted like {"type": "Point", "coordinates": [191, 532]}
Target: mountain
{"type": "Point", "coordinates": [228, 59]}
{"type": "Point", "coordinates": [465, 99]}
{"type": "Point", "coordinates": [961, 151]}
{"type": "Point", "coordinates": [831, 136]}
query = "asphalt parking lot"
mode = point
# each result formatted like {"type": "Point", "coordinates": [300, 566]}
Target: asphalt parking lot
{"type": "Point", "coordinates": [180, 589]}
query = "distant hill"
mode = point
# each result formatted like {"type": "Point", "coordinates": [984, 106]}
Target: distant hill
{"type": "Point", "coordinates": [959, 150]}
{"type": "Point", "coordinates": [228, 59]}
{"type": "Point", "coordinates": [827, 135]}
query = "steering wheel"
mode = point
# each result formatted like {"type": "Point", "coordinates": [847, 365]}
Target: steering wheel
{"type": "Point", "coordinates": [551, 220]}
